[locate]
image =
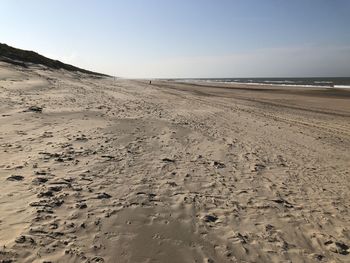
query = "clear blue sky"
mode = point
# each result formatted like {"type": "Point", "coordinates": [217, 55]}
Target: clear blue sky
{"type": "Point", "coordinates": [186, 38]}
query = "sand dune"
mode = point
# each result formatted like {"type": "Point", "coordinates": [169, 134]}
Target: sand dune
{"type": "Point", "coordinates": [97, 170]}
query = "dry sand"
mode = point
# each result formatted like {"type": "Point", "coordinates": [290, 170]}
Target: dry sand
{"type": "Point", "coordinates": [171, 172]}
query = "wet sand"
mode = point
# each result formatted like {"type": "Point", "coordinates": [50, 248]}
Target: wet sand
{"type": "Point", "coordinates": [97, 170]}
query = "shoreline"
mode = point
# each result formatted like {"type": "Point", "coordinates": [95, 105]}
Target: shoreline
{"type": "Point", "coordinates": [259, 83]}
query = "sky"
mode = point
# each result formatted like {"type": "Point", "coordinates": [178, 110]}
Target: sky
{"type": "Point", "coordinates": [186, 38]}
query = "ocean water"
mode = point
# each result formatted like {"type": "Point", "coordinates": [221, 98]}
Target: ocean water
{"type": "Point", "coordinates": [313, 82]}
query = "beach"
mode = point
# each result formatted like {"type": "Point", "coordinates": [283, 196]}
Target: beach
{"type": "Point", "coordinates": [97, 169]}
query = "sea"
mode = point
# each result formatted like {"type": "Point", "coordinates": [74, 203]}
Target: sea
{"type": "Point", "coordinates": [339, 82]}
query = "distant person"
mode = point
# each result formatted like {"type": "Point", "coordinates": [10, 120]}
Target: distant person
{"type": "Point", "coordinates": [150, 82]}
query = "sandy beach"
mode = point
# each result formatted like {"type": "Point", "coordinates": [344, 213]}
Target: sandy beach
{"type": "Point", "coordinates": [94, 169]}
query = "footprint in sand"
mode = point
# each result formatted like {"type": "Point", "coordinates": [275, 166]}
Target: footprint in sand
{"type": "Point", "coordinates": [15, 178]}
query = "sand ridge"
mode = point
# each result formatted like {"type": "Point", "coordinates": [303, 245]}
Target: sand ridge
{"type": "Point", "coordinates": [124, 171]}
